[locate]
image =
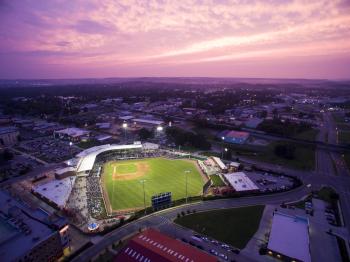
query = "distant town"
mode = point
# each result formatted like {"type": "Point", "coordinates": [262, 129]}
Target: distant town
{"type": "Point", "coordinates": [167, 169]}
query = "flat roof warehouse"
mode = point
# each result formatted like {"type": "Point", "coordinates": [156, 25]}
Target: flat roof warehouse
{"type": "Point", "coordinates": [290, 237]}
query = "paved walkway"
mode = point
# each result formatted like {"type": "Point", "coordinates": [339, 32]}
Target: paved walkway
{"type": "Point", "coordinates": [260, 237]}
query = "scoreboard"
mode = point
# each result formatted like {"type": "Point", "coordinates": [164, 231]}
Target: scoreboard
{"type": "Point", "coordinates": [160, 201]}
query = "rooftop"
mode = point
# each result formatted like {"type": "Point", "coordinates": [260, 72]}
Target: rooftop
{"type": "Point", "coordinates": [57, 191]}
{"type": "Point", "coordinates": [152, 245]}
{"type": "Point", "coordinates": [19, 232]}
{"type": "Point", "coordinates": [148, 121]}
{"type": "Point", "coordinates": [219, 162]}
{"type": "Point", "coordinates": [290, 236]}
{"type": "Point", "coordinates": [88, 156]}
{"type": "Point", "coordinates": [237, 134]}
{"type": "Point", "coordinates": [73, 132]}
{"type": "Point", "coordinates": [240, 181]}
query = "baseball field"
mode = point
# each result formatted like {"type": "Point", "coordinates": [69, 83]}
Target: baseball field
{"type": "Point", "coordinates": [121, 181]}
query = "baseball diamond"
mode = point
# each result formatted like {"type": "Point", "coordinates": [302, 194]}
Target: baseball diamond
{"type": "Point", "coordinates": [123, 190]}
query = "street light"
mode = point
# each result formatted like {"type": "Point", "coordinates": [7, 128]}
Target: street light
{"type": "Point", "coordinates": [144, 194]}
{"type": "Point", "coordinates": [159, 128]}
{"type": "Point", "coordinates": [186, 172]}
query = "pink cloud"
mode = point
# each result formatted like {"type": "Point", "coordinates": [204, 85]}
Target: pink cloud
{"type": "Point", "coordinates": [133, 35]}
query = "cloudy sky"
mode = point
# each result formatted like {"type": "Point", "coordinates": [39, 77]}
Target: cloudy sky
{"type": "Point", "coordinates": [122, 38]}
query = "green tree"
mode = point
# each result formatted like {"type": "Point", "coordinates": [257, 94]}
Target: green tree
{"type": "Point", "coordinates": [145, 134]}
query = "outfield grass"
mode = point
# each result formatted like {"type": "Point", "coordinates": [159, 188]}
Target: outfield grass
{"type": "Point", "coordinates": [217, 181]}
{"type": "Point", "coordinates": [163, 175]}
{"type": "Point", "coordinates": [235, 226]}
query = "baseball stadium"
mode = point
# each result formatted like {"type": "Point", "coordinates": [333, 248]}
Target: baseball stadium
{"type": "Point", "coordinates": [123, 178]}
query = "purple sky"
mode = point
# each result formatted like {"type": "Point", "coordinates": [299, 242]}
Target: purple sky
{"type": "Point", "coordinates": [124, 38]}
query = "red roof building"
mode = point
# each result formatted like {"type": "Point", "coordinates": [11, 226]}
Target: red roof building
{"type": "Point", "coordinates": [153, 246]}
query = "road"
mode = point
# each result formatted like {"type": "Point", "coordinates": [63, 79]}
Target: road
{"type": "Point", "coordinates": [327, 173]}
{"type": "Point", "coordinates": [168, 215]}
{"type": "Point", "coordinates": [331, 169]}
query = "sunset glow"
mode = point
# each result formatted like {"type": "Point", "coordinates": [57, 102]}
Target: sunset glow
{"type": "Point", "coordinates": [71, 39]}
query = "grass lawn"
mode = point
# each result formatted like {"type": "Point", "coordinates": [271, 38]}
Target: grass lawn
{"type": "Point", "coordinates": [326, 193]}
{"type": "Point", "coordinates": [308, 135]}
{"type": "Point", "coordinates": [304, 156]}
{"type": "Point", "coordinates": [161, 175]}
{"type": "Point", "coordinates": [344, 137]}
{"type": "Point", "coordinates": [234, 226]}
{"type": "Point", "coordinates": [217, 181]}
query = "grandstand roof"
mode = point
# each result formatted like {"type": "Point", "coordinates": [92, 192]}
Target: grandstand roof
{"type": "Point", "coordinates": [152, 245]}
{"type": "Point", "coordinates": [219, 162]}
{"type": "Point", "coordinates": [88, 156]}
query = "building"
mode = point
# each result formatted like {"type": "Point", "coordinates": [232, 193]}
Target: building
{"type": "Point", "coordinates": [61, 173]}
{"type": "Point", "coordinates": [148, 122]}
{"type": "Point", "coordinates": [234, 166]}
{"type": "Point", "coordinates": [105, 125]}
{"type": "Point", "coordinates": [56, 191]}
{"type": "Point", "coordinates": [289, 238]}
{"type": "Point", "coordinates": [240, 182]}
{"type": "Point", "coordinates": [71, 134]}
{"type": "Point", "coordinates": [253, 122]}
{"type": "Point", "coordinates": [152, 245]}
{"type": "Point", "coordinates": [234, 137]}
{"type": "Point", "coordinates": [8, 136]}
{"type": "Point", "coordinates": [219, 163]}
{"type": "Point", "coordinates": [29, 234]}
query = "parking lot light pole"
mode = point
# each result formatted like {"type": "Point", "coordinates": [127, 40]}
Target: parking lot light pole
{"type": "Point", "coordinates": [186, 173]}
{"type": "Point", "coordinates": [144, 194]}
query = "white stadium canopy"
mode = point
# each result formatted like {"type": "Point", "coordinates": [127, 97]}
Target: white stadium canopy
{"type": "Point", "coordinates": [88, 156]}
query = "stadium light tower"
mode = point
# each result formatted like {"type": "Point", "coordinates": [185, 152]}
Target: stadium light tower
{"type": "Point", "coordinates": [70, 149]}
{"type": "Point", "coordinates": [125, 126]}
{"type": "Point", "coordinates": [186, 173]}
{"type": "Point", "coordinates": [225, 150]}
{"type": "Point", "coordinates": [144, 193]}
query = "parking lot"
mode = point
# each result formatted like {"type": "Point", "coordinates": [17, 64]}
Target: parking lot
{"type": "Point", "coordinates": [19, 165]}
{"type": "Point", "coordinates": [49, 149]}
{"type": "Point", "coordinates": [267, 182]}
{"type": "Point", "coordinates": [218, 249]}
